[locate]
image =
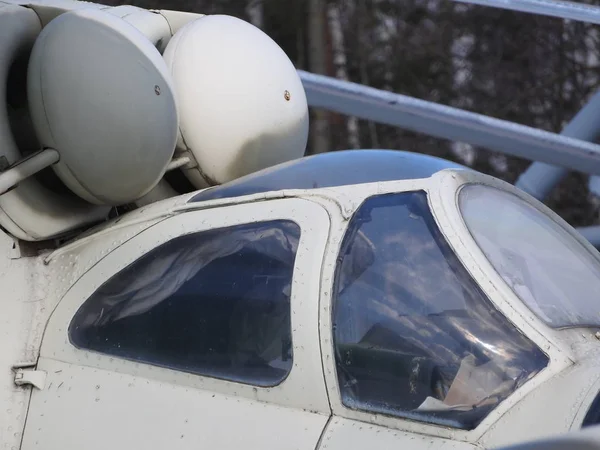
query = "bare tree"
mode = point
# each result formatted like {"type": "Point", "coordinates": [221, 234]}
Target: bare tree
{"type": "Point", "coordinates": [362, 51]}
{"type": "Point", "coordinates": [317, 58]}
{"type": "Point", "coordinates": [254, 9]}
{"type": "Point", "coordinates": [340, 64]}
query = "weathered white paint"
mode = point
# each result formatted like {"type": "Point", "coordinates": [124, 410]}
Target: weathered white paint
{"type": "Point", "coordinates": [96, 401]}
{"type": "Point", "coordinates": [344, 434]}
{"type": "Point", "coordinates": [297, 408]}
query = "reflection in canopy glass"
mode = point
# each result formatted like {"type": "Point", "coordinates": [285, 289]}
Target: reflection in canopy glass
{"type": "Point", "coordinates": [214, 303]}
{"type": "Point", "coordinates": [414, 334]}
{"type": "Point", "coordinates": [555, 275]}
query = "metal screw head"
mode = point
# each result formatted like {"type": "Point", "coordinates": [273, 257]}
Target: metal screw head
{"type": "Point", "coordinates": [287, 95]}
{"type": "Point", "coordinates": [157, 89]}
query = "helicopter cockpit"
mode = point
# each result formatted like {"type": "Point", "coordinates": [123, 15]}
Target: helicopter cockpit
{"type": "Point", "coordinates": [415, 336]}
{"type": "Point", "coordinates": [318, 293]}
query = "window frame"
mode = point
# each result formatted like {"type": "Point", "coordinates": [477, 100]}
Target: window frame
{"type": "Point", "coordinates": [555, 343]}
{"type": "Point", "coordinates": [442, 196]}
{"type": "Point", "coordinates": [476, 294]}
{"type": "Point", "coordinates": [447, 211]}
{"type": "Point", "coordinates": [304, 386]}
{"type": "Point", "coordinates": [157, 362]}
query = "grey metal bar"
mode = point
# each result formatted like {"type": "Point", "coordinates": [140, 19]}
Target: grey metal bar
{"type": "Point", "coordinates": [540, 178]}
{"type": "Point", "coordinates": [594, 185]}
{"type": "Point", "coordinates": [450, 123]}
{"type": "Point", "coordinates": [553, 8]}
{"type": "Point", "coordinates": [591, 233]}
{"type": "Point", "coordinates": [27, 167]}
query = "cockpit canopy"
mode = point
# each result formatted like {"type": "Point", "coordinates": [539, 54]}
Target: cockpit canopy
{"type": "Point", "coordinates": [414, 334]}
{"type": "Point", "coordinates": [332, 169]}
{"type": "Point", "coordinates": [549, 270]}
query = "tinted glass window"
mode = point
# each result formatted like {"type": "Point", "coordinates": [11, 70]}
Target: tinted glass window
{"type": "Point", "coordinates": [414, 334]}
{"type": "Point", "coordinates": [555, 275]}
{"type": "Point", "coordinates": [215, 303]}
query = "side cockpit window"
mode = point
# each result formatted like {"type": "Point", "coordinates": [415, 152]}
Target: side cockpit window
{"type": "Point", "coordinates": [214, 303]}
{"type": "Point", "coordinates": [414, 334]}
